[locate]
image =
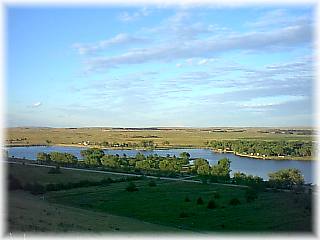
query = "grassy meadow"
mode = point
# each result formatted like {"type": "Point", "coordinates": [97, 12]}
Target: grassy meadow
{"type": "Point", "coordinates": [177, 137]}
{"type": "Point", "coordinates": [164, 206]}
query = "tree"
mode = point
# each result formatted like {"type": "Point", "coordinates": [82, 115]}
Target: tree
{"type": "Point", "coordinates": [204, 169]}
{"type": "Point", "coordinates": [185, 155]}
{"type": "Point", "coordinates": [286, 177]}
{"type": "Point", "coordinates": [92, 156]}
{"type": "Point", "coordinates": [199, 162]}
{"type": "Point", "coordinates": [222, 169]}
{"type": "Point", "coordinates": [43, 157]}
{"type": "Point", "coordinates": [59, 157]}
{"type": "Point", "coordinates": [110, 161]}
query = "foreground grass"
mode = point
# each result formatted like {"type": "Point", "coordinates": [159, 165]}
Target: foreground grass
{"type": "Point", "coordinates": [163, 204]}
{"type": "Point", "coordinates": [28, 213]}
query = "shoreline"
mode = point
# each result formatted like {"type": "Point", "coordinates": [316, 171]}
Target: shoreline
{"type": "Point", "coordinates": [287, 158]}
{"type": "Point", "coordinates": [167, 148]}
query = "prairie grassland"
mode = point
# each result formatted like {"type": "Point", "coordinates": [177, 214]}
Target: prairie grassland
{"type": "Point", "coordinates": [177, 137]}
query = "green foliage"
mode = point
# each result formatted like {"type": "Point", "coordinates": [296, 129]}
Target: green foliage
{"type": "Point", "coordinates": [199, 201]}
{"type": "Point", "coordinates": [266, 148]}
{"type": "Point", "coordinates": [250, 180]}
{"type": "Point", "coordinates": [187, 199]}
{"type": "Point", "coordinates": [112, 161]}
{"type": "Point", "coordinates": [185, 155]}
{"type": "Point", "coordinates": [92, 156]}
{"type": "Point", "coordinates": [204, 169]}
{"type": "Point", "coordinates": [43, 157]}
{"type": "Point", "coordinates": [59, 157]}
{"type": "Point", "coordinates": [222, 169]}
{"type": "Point", "coordinates": [131, 187]}
{"type": "Point", "coordinates": [286, 178]}
{"type": "Point", "coordinates": [234, 201]}
{"type": "Point", "coordinates": [211, 204]}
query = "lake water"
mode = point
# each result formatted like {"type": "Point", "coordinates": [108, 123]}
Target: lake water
{"type": "Point", "coordinates": [243, 164]}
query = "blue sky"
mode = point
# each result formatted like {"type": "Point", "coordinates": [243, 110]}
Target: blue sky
{"type": "Point", "coordinates": [160, 66]}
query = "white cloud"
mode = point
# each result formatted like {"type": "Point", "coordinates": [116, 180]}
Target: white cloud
{"type": "Point", "coordinates": [119, 39]}
{"type": "Point", "coordinates": [37, 104]}
{"type": "Point", "coordinates": [127, 17]}
{"type": "Point", "coordinates": [275, 40]}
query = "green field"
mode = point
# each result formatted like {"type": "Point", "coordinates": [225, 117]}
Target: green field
{"type": "Point", "coordinates": [177, 137]}
{"type": "Point", "coordinates": [165, 205]}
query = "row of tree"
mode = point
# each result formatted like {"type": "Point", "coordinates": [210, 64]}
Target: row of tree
{"type": "Point", "coordinates": [220, 172]}
{"type": "Point", "coordinates": [267, 148]}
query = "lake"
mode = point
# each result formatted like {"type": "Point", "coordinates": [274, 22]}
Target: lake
{"type": "Point", "coordinates": [247, 165]}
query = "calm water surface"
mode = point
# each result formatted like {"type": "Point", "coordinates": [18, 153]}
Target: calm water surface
{"type": "Point", "coordinates": [243, 164]}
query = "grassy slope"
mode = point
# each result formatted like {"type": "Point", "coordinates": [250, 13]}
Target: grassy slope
{"type": "Point", "coordinates": [164, 203]}
{"type": "Point", "coordinates": [279, 211]}
{"type": "Point", "coordinates": [182, 137]}
{"type": "Point", "coordinates": [28, 213]}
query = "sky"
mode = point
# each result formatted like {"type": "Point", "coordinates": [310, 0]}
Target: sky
{"type": "Point", "coordinates": [153, 66]}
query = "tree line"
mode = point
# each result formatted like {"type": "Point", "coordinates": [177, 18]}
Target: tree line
{"type": "Point", "coordinates": [266, 148]}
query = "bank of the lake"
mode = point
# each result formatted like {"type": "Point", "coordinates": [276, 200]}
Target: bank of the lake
{"type": "Point", "coordinates": [279, 158]}
{"type": "Point", "coordinates": [259, 167]}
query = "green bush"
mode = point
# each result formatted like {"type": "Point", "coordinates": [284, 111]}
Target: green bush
{"type": "Point", "coordinates": [131, 187]}
{"type": "Point", "coordinates": [211, 204]}
{"type": "Point", "coordinates": [234, 201]}
{"type": "Point", "coordinates": [199, 201]}
{"type": "Point", "coordinates": [187, 199]}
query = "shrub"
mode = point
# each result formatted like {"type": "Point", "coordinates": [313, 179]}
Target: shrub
{"type": "Point", "coordinates": [211, 204]}
{"type": "Point", "coordinates": [234, 201]}
{"type": "Point", "coordinates": [152, 183]}
{"type": "Point", "coordinates": [131, 187]}
{"type": "Point", "coordinates": [187, 199]}
{"type": "Point", "coordinates": [199, 201]}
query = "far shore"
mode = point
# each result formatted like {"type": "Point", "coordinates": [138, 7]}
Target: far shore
{"type": "Point", "coordinates": [278, 158]}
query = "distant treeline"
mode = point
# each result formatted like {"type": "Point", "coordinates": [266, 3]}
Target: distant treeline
{"type": "Point", "coordinates": [266, 148]}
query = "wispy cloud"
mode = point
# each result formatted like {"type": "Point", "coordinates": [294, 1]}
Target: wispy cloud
{"type": "Point", "coordinates": [276, 40]}
{"type": "Point", "coordinates": [128, 17]}
{"type": "Point", "coordinates": [120, 39]}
